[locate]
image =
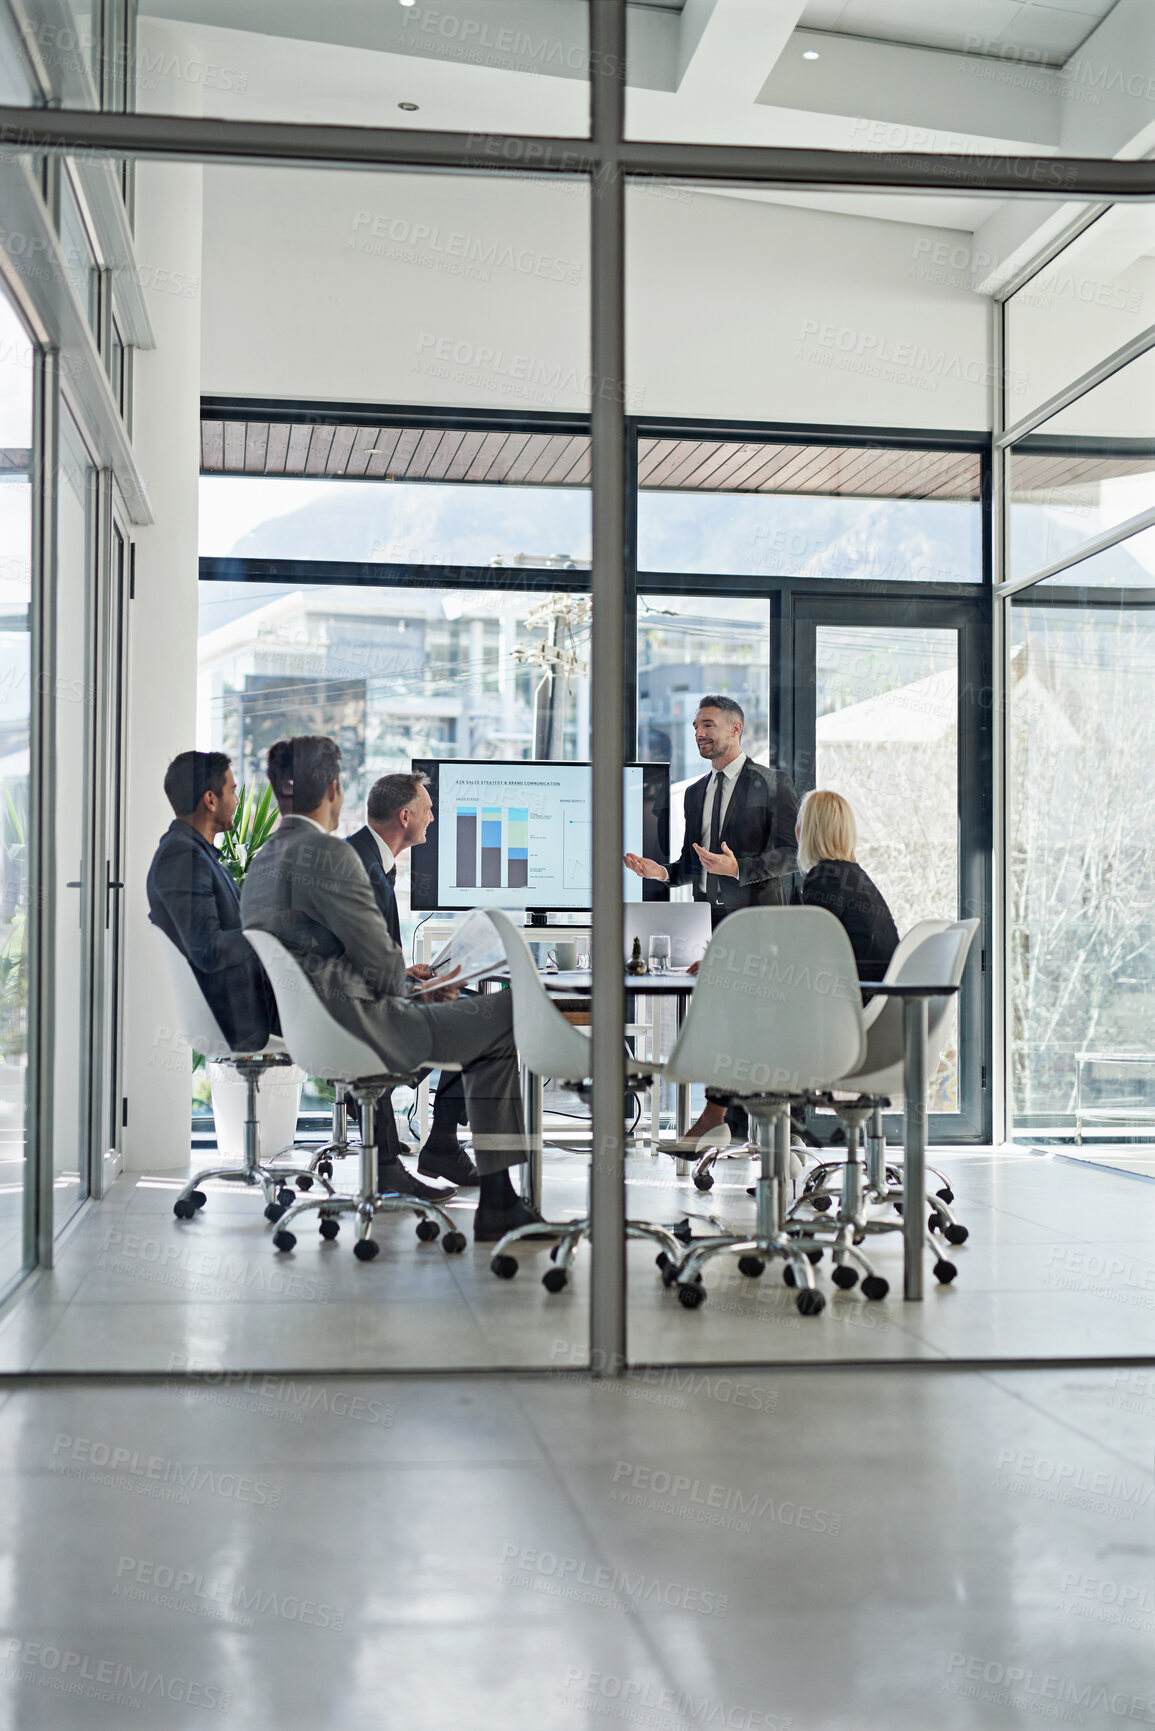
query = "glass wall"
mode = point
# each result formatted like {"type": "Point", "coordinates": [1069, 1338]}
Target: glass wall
{"type": "Point", "coordinates": [16, 389]}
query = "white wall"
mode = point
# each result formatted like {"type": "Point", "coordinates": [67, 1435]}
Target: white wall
{"type": "Point", "coordinates": [163, 630]}
{"type": "Point", "coordinates": [474, 292]}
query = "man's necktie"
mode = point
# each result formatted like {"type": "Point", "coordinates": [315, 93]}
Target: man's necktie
{"type": "Point", "coordinates": [715, 844]}
{"type": "Point", "coordinates": [391, 875]}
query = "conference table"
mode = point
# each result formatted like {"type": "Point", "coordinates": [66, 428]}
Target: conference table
{"type": "Point", "coordinates": [571, 989]}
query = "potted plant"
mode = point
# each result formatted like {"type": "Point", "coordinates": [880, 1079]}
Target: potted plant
{"type": "Point", "coordinates": [279, 1095]}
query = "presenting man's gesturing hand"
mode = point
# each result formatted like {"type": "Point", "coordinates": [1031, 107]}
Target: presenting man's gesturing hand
{"type": "Point", "coordinates": [719, 865]}
{"type": "Point", "coordinates": [644, 868]}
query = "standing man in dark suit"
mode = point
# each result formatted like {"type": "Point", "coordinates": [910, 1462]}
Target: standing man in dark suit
{"type": "Point", "coordinates": [400, 812]}
{"type": "Point", "coordinates": [195, 903]}
{"type": "Point", "coordinates": [739, 848]}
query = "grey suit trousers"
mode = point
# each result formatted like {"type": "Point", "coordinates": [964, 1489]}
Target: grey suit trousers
{"type": "Point", "coordinates": [477, 1032]}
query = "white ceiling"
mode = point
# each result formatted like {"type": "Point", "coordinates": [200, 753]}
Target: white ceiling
{"type": "Point", "coordinates": [1046, 32]}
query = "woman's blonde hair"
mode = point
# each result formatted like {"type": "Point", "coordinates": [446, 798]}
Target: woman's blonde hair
{"type": "Point", "coordinates": [826, 828]}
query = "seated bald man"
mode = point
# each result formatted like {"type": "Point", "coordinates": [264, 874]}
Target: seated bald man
{"type": "Point", "coordinates": [309, 889]}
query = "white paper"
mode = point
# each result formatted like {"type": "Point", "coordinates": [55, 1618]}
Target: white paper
{"type": "Point", "coordinates": [474, 948]}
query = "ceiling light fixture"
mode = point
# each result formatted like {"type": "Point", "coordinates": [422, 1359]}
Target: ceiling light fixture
{"type": "Point", "coordinates": [807, 53]}
{"type": "Point", "coordinates": [408, 2]}
{"type": "Point", "coordinates": [409, 107]}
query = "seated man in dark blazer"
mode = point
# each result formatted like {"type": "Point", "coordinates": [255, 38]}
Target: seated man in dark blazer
{"type": "Point", "coordinates": [400, 812]}
{"type": "Point", "coordinates": [195, 903]}
{"type": "Point", "coordinates": [309, 889]}
{"type": "Point", "coordinates": [739, 848]}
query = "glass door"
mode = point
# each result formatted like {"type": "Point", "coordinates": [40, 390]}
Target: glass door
{"type": "Point", "coordinates": [112, 666]}
{"type": "Point", "coordinates": [888, 712]}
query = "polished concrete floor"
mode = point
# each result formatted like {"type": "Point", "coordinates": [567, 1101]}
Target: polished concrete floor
{"type": "Point", "coordinates": [840, 1549]}
{"type": "Point", "coordinates": [1060, 1263]}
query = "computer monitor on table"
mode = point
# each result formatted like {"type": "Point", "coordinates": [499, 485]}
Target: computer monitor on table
{"type": "Point", "coordinates": [518, 835]}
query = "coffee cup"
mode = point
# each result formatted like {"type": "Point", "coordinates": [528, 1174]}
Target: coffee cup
{"type": "Point", "coordinates": [564, 956]}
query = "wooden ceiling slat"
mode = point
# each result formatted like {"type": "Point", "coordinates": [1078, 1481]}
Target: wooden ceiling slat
{"type": "Point", "coordinates": [650, 453]}
{"type": "Point", "coordinates": [515, 444]}
{"type": "Point", "coordinates": [739, 461]}
{"type": "Point", "coordinates": [555, 458]}
{"type": "Point", "coordinates": [397, 468]}
{"type": "Point", "coordinates": [765, 472]}
{"type": "Point", "coordinates": [381, 452]}
{"type": "Point", "coordinates": [697, 466]}
{"type": "Point", "coordinates": [573, 470]}
{"type": "Point", "coordinates": [319, 447]}
{"type": "Point", "coordinates": [277, 448]}
{"type": "Point", "coordinates": [256, 444]}
{"type": "Point", "coordinates": [337, 461]}
{"type": "Point", "coordinates": [705, 477]}
{"type": "Point", "coordinates": [358, 457]}
{"type": "Point", "coordinates": [463, 456]}
{"type": "Point", "coordinates": [424, 453]}
{"type": "Point", "coordinates": [538, 449]}
{"type": "Point", "coordinates": [443, 456]}
{"type": "Point", "coordinates": [676, 453]}
{"type": "Point", "coordinates": [234, 447]}
{"type": "Point", "coordinates": [298, 451]}
{"type": "Point", "coordinates": [212, 445]}
{"type": "Point", "coordinates": [489, 448]}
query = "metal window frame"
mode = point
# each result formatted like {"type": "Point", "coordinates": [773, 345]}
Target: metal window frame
{"type": "Point", "coordinates": [607, 162]}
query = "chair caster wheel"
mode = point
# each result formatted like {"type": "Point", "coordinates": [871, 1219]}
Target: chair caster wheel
{"type": "Point", "coordinates": [285, 1196]}
{"type": "Point", "coordinates": [874, 1287]}
{"type": "Point", "coordinates": [944, 1272]}
{"type": "Point", "coordinates": [809, 1302]}
{"type": "Point", "coordinates": [669, 1277]}
{"type": "Point", "coordinates": [844, 1278]}
{"type": "Point", "coordinates": [683, 1232]}
{"type": "Point", "coordinates": [304, 1181]}
{"type": "Point", "coordinates": [184, 1209]}
{"type": "Point", "coordinates": [554, 1279]}
{"type": "Point", "coordinates": [505, 1267]}
{"type": "Point", "coordinates": [957, 1234]}
{"type": "Point", "coordinates": [197, 1198]}
{"type": "Point", "coordinates": [273, 1211]}
{"type": "Point", "coordinates": [330, 1228]}
{"type": "Point", "coordinates": [751, 1266]}
{"type": "Point", "coordinates": [284, 1240]}
{"type": "Point", "coordinates": [703, 1180]}
{"type": "Point", "coordinates": [814, 1256]}
{"type": "Point", "coordinates": [453, 1243]}
{"type": "Point", "coordinates": [820, 1204]}
{"type": "Point", "coordinates": [789, 1278]}
{"type": "Point", "coordinates": [946, 1194]}
{"type": "Point", "coordinates": [691, 1295]}
{"type": "Point", "coordinates": [859, 1238]}
{"type": "Point", "coordinates": [897, 1206]}
{"type": "Point", "coordinates": [936, 1223]}
{"type": "Point", "coordinates": [366, 1249]}
{"type": "Point", "coordinates": [428, 1230]}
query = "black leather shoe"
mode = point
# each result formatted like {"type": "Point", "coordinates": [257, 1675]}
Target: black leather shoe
{"type": "Point", "coordinates": [490, 1224]}
{"type": "Point", "coordinates": [447, 1160]}
{"type": "Point", "coordinates": [393, 1179]}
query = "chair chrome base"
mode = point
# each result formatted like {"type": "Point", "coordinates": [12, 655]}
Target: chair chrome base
{"type": "Point", "coordinates": [771, 1115]}
{"type": "Point", "coordinates": [432, 1220]}
{"type": "Point", "coordinates": [569, 1235]}
{"type": "Point", "coordinates": [254, 1173]}
{"type": "Point", "coordinates": [339, 1144]}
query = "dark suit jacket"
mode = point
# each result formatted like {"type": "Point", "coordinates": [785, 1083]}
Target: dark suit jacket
{"type": "Point", "coordinates": [845, 890]}
{"type": "Point", "coordinates": [759, 827]}
{"type": "Point", "coordinates": [194, 902]}
{"type": "Point", "coordinates": [311, 891]}
{"type": "Point", "coordinates": [364, 845]}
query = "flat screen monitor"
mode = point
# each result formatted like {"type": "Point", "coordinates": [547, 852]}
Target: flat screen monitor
{"type": "Point", "coordinates": [517, 834]}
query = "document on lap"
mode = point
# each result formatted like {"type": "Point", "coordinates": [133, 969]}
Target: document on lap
{"type": "Point", "coordinates": [474, 949]}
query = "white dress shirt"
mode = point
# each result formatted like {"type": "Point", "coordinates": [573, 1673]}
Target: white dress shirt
{"type": "Point", "coordinates": [731, 772]}
{"type": "Point", "coordinates": [387, 857]}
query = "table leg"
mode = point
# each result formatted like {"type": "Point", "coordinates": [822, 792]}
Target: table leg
{"type": "Point", "coordinates": [532, 1092]}
{"type": "Point", "coordinates": [681, 1090]}
{"type": "Point", "coordinates": [914, 1169]}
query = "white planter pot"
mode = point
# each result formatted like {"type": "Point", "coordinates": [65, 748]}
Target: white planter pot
{"type": "Point", "coordinates": [278, 1102]}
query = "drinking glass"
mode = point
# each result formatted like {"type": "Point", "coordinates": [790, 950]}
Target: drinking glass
{"type": "Point", "coordinates": [660, 953]}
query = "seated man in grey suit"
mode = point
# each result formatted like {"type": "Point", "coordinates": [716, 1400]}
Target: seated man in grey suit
{"type": "Point", "coordinates": [399, 812]}
{"type": "Point", "coordinates": [195, 903]}
{"type": "Point", "coordinates": [310, 890]}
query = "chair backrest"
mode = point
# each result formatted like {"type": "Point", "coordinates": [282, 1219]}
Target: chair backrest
{"type": "Point", "coordinates": [547, 1043]}
{"type": "Point", "coordinates": [933, 953]}
{"type": "Point", "coordinates": [314, 1036]}
{"type": "Point", "coordinates": [197, 1022]}
{"type": "Point", "coordinates": [776, 1009]}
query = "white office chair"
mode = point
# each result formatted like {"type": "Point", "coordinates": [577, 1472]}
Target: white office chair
{"type": "Point", "coordinates": [776, 1017]}
{"type": "Point", "coordinates": [550, 1046]}
{"type": "Point", "coordinates": [203, 1032]}
{"type": "Point", "coordinates": [934, 952]}
{"type": "Point", "coordinates": [319, 1043]}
